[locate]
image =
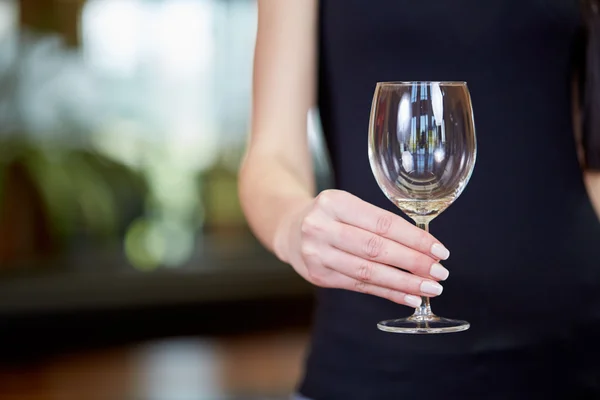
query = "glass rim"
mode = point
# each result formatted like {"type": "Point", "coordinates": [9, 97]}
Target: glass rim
{"type": "Point", "coordinates": [410, 83]}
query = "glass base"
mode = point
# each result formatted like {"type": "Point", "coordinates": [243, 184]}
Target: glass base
{"type": "Point", "coordinates": [426, 324]}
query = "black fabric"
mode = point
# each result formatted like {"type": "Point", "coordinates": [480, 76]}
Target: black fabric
{"type": "Point", "coordinates": [553, 370]}
{"type": "Point", "coordinates": [524, 239]}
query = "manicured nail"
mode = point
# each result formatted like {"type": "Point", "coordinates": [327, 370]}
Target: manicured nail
{"type": "Point", "coordinates": [412, 301]}
{"type": "Point", "coordinates": [439, 272]}
{"type": "Point", "coordinates": [440, 251]}
{"type": "Point", "coordinates": [431, 288]}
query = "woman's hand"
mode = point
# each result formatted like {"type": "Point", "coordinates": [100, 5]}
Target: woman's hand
{"type": "Point", "coordinates": [340, 241]}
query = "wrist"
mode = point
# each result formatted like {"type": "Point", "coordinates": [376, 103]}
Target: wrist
{"type": "Point", "coordinates": [287, 228]}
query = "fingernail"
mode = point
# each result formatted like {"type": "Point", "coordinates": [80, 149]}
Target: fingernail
{"type": "Point", "coordinates": [439, 272]}
{"type": "Point", "coordinates": [440, 251]}
{"type": "Point", "coordinates": [412, 301]}
{"type": "Point", "coordinates": [431, 288]}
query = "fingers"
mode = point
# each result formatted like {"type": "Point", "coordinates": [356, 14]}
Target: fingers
{"type": "Point", "coordinates": [349, 244]}
{"type": "Point", "coordinates": [369, 246]}
{"type": "Point", "coordinates": [345, 282]}
{"type": "Point", "coordinates": [353, 211]}
{"type": "Point", "coordinates": [379, 275]}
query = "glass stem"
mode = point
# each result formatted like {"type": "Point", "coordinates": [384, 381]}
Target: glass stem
{"type": "Point", "coordinates": [425, 308]}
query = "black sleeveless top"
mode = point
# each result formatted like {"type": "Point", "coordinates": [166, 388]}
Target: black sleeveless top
{"type": "Point", "coordinates": [524, 239]}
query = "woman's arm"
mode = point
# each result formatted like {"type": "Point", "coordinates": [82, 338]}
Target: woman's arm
{"type": "Point", "coordinates": [335, 239]}
{"type": "Point", "coordinates": [277, 174]}
{"type": "Point", "coordinates": [591, 178]}
{"type": "Point", "coordinates": [592, 182]}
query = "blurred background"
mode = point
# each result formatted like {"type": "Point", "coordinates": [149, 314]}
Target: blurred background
{"type": "Point", "coordinates": [126, 266]}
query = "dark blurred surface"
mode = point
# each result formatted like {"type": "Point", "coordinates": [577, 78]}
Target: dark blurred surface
{"type": "Point", "coordinates": [122, 126]}
{"type": "Point", "coordinates": [258, 366]}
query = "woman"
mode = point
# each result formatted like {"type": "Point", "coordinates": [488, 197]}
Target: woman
{"type": "Point", "coordinates": [516, 255]}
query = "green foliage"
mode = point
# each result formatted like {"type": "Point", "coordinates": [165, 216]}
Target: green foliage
{"type": "Point", "coordinates": [83, 191]}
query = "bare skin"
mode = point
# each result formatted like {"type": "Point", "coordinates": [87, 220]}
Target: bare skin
{"type": "Point", "coordinates": [592, 182]}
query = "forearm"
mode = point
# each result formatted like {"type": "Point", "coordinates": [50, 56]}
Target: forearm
{"type": "Point", "coordinates": [591, 178]}
{"type": "Point", "coordinates": [270, 191]}
{"type": "Point", "coordinates": [276, 179]}
{"type": "Point", "coordinates": [592, 182]}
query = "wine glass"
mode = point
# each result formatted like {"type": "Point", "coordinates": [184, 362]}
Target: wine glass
{"type": "Point", "coordinates": [422, 150]}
